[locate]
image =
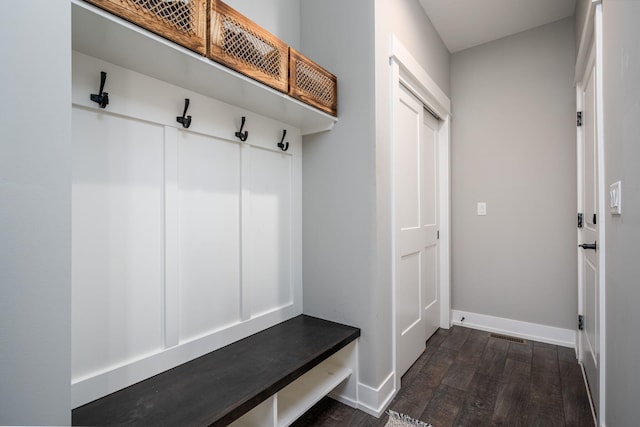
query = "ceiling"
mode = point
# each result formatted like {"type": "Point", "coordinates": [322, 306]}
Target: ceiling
{"type": "Point", "coordinates": [466, 23]}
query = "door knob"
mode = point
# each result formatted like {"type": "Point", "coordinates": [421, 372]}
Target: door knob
{"type": "Point", "coordinates": [593, 245]}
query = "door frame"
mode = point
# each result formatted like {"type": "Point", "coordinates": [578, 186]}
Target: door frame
{"type": "Point", "coordinates": [406, 71]}
{"type": "Point", "coordinates": [590, 54]}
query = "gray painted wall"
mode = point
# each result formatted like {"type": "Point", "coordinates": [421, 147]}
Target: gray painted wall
{"type": "Point", "coordinates": [513, 147]}
{"type": "Point", "coordinates": [35, 214]}
{"type": "Point", "coordinates": [622, 162]}
{"type": "Point", "coordinates": [280, 17]}
{"type": "Point", "coordinates": [346, 195]}
{"type": "Point", "coordinates": [409, 22]}
{"type": "Point", "coordinates": [580, 15]}
{"type": "Point", "coordinates": [338, 176]}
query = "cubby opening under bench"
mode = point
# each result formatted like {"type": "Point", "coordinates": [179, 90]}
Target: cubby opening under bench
{"type": "Point", "coordinates": [267, 379]}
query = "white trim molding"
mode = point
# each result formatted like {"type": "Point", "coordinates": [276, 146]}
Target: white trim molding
{"type": "Point", "coordinates": [436, 99]}
{"type": "Point", "coordinates": [516, 328]}
{"type": "Point", "coordinates": [374, 401]}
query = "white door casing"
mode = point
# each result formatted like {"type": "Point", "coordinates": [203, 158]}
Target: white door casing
{"type": "Point", "coordinates": [415, 188]}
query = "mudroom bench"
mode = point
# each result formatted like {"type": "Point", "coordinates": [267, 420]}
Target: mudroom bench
{"type": "Point", "coordinates": [266, 379]}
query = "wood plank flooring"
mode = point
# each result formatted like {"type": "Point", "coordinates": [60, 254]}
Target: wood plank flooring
{"type": "Point", "coordinates": [467, 378]}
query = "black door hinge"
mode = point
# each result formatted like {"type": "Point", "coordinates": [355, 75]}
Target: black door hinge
{"type": "Point", "coordinates": [595, 219]}
{"type": "Point", "coordinates": [580, 322]}
{"type": "Point", "coordinates": [438, 234]}
{"type": "Point", "coordinates": [579, 118]}
{"type": "Point", "coordinates": [580, 220]}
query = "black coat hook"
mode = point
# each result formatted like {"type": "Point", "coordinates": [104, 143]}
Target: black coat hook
{"type": "Point", "coordinates": [242, 135]}
{"type": "Point", "coordinates": [186, 121]}
{"type": "Point", "coordinates": [284, 146]}
{"type": "Point", "coordinates": [101, 98]}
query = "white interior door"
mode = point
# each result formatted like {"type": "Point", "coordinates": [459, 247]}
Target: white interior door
{"type": "Point", "coordinates": [416, 254]}
{"type": "Point", "coordinates": [589, 251]}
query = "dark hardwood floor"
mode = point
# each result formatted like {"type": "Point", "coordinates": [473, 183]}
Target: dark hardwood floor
{"type": "Point", "coordinates": [467, 378]}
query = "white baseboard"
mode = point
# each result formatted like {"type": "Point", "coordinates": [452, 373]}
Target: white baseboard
{"type": "Point", "coordinates": [516, 328]}
{"type": "Point", "coordinates": [374, 401]}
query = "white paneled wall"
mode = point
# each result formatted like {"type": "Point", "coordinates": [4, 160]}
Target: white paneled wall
{"type": "Point", "coordinates": [267, 272]}
{"type": "Point", "coordinates": [209, 234]}
{"type": "Point", "coordinates": [183, 240]}
{"type": "Point", "coordinates": [116, 240]}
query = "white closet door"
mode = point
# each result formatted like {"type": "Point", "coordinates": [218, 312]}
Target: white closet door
{"type": "Point", "coordinates": [267, 232]}
{"type": "Point", "coordinates": [416, 207]}
{"type": "Point", "coordinates": [209, 234]}
{"type": "Point", "coordinates": [116, 240]}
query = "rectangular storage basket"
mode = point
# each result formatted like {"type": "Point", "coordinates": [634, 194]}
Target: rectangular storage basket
{"type": "Point", "coordinates": [312, 84]}
{"type": "Point", "coordinates": [181, 21]}
{"type": "Point", "coordinates": [244, 46]}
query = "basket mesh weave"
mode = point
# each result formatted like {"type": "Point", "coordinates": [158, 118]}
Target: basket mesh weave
{"type": "Point", "coordinates": [315, 84]}
{"type": "Point", "coordinates": [175, 13]}
{"type": "Point", "coordinates": [242, 43]}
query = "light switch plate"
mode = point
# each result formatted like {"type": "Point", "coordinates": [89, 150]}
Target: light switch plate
{"type": "Point", "coordinates": [615, 198]}
{"type": "Point", "coordinates": [482, 208]}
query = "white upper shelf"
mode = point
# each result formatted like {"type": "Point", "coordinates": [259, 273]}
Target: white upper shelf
{"type": "Point", "coordinates": [103, 35]}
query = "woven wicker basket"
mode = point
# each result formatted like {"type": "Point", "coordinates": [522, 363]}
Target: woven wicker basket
{"type": "Point", "coordinates": [312, 84]}
{"type": "Point", "coordinates": [243, 46]}
{"type": "Point", "coordinates": [181, 21]}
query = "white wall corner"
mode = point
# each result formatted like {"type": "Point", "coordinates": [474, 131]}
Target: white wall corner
{"type": "Point", "coordinates": [374, 401]}
{"type": "Point", "coordinates": [531, 331]}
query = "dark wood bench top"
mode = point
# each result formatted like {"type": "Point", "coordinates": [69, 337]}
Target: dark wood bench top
{"type": "Point", "coordinates": [219, 387]}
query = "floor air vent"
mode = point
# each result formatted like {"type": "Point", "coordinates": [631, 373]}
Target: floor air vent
{"type": "Point", "coordinates": [508, 338]}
